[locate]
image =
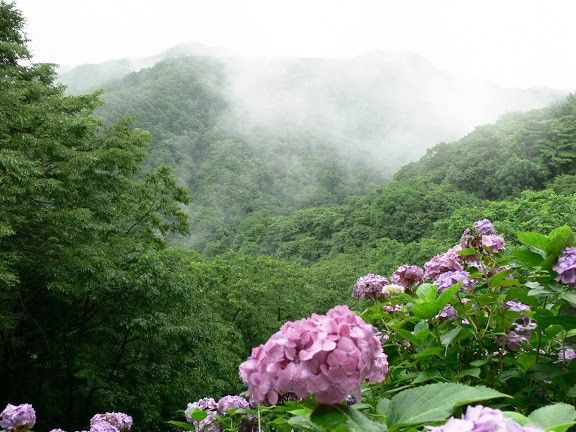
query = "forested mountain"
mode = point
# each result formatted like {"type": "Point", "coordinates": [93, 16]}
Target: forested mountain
{"type": "Point", "coordinates": [87, 78]}
{"type": "Point", "coordinates": [498, 161]}
{"type": "Point", "coordinates": [253, 134]}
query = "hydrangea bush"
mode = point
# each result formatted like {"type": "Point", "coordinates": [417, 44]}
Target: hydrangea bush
{"type": "Point", "coordinates": [20, 418]}
{"type": "Point", "coordinates": [483, 322]}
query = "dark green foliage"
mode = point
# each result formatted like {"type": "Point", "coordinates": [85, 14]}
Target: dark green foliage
{"type": "Point", "coordinates": [404, 211]}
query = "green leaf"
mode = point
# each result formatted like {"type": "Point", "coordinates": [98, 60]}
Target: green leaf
{"type": "Point", "coordinates": [303, 423]}
{"type": "Point", "coordinates": [570, 297]}
{"type": "Point", "coordinates": [537, 240]}
{"type": "Point", "coordinates": [343, 418]}
{"type": "Point", "coordinates": [434, 402]}
{"type": "Point", "coordinates": [447, 295]}
{"type": "Point", "coordinates": [197, 414]}
{"type": "Point", "coordinates": [527, 257]}
{"type": "Point", "coordinates": [382, 406]}
{"type": "Point", "coordinates": [474, 372]}
{"type": "Point", "coordinates": [429, 352]}
{"type": "Point", "coordinates": [560, 238]}
{"type": "Point", "coordinates": [467, 252]}
{"type": "Point", "coordinates": [496, 279]}
{"type": "Point", "coordinates": [183, 425]}
{"type": "Point", "coordinates": [447, 338]}
{"type": "Point", "coordinates": [521, 419]}
{"type": "Point", "coordinates": [558, 417]}
{"type": "Point", "coordinates": [426, 291]}
{"type": "Point", "coordinates": [425, 310]}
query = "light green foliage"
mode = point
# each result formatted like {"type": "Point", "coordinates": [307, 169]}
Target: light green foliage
{"type": "Point", "coordinates": [521, 151]}
{"type": "Point", "coordinates": [433, 403]}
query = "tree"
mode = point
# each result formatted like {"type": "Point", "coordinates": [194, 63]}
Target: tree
{"type": "Point", "coordinates": [94, 312]}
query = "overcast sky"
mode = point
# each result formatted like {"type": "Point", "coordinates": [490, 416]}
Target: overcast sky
{"type": "Point", "coordinates": [516, 43]}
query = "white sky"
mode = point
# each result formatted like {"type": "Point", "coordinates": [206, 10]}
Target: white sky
{"type": "Point", "coordinates": [516, 43]}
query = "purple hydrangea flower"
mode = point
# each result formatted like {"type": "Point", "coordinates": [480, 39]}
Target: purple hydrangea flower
{"type": "Point", "coordinates": [232, 402]}
{"type": "Point", "coordinates": [517, 306]}
{"type": "Point", "coordinates": [408, 275]}
{"type": "Point", "coordinates": [328, 356]}
{"type": "Point", "coordinates": [392, 309]}
{"type": "Point", "coordinates": [17, 417]}
{"type": "Point", "coordinates": [484, 227]}
{"type": "Point", "coordinates": [448, 313]}
{"type": "Point", "coordinates": [446, 262]}
{"type": "Point", "coordinates": [118, 420]}
{"type": "Point", "coordinates": [103, 427]}
{"type": "Point", "coordinates": [446, 280]}
{"type": "Point", "coordinates": [369, 286]}
{"type": "Point", "coordinates": [524, 327]}
{"type": "Point", "coordinates": [483, 419]}
{"type": "Point", "coordinates": [511, 341]}
{"type": "Point", "coordinates": [466, 239]}
{"type": "Point", "coordinates": [493, 243]}
{"type": "Point", "coordinates": [209, 423]}
{"type": "Point", "coordinates": [566, 266]}
{"type": "Point", "coordinates": [57, 430]}
{"type": "Point", "coordinates": [566, 354]}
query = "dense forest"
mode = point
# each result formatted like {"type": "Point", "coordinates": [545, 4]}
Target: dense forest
{"type": "Point", "coordinates": [152, 234]}
{"type": "Point", "coordinates": [247, 134]}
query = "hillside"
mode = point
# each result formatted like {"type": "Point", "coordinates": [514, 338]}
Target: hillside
{"type": "Point", "coordinates": [522, 151]}
{"type": "Point", "coordinates": [253, 134]}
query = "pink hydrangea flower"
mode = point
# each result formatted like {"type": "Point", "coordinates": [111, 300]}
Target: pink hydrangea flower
{"type": "Point", "coordinates": [369, 286]}
{"type": "Point", "coordinates": [446, 262]}
{"type": "Point", "coordinates": [18, 417]}
{"type": "Point", "coordinates": [408, 275]}
{"type": "Point", "coordinates": [328, 356]}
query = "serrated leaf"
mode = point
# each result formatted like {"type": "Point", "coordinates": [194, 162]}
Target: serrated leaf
{"type": "Point", "coordinates": [558, 417]}
{"type": "Point", "coordinates": [434, 402]}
